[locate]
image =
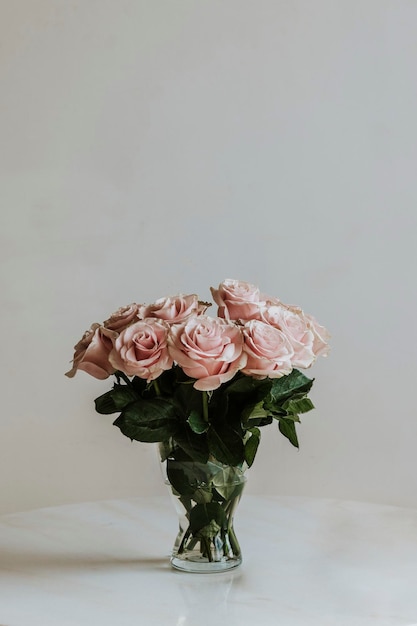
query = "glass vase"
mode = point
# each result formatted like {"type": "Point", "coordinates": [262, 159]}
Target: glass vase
{"type": "Point", "coordinates": [205, 497]}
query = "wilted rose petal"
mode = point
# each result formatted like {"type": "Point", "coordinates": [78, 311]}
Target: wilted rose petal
{"type": "Point", "coordinates": [123, 317]}
{"type": "Point", "coordinates": [92, 353]}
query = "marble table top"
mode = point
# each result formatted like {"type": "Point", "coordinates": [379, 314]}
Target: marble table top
{"type": "Point", "coordinates": [306, 562]}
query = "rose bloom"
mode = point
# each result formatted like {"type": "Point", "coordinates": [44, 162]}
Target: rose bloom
{"type": "Point", "coordinates": [293, 323]}
{"type": "Point", "coordinates": [237, 300]}
{"type": "Point", "coordinates": [174, 309]}
{"type": "Point", "coordinates": [92, 353]}
{"type": "Point", "coordinates": [122, 318]}
{"type": "Point", "coordinates": [208, 349]}
{"type": "Point", "coordinates": [321, 337]}
{"type": "Point", "coordinates": [141, 350]}
{"type": "Point", "coordinates": [269, 351]}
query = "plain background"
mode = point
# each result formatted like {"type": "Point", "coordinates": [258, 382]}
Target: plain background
{"type": "Point", "coordinates": [154, 147]}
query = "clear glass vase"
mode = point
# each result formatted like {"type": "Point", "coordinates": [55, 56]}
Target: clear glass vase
{"type": "Point", "coordinates": [205, 496]}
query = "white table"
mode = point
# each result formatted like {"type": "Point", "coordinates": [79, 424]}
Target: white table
{"type": "Point", "coordinates": [306, 562]}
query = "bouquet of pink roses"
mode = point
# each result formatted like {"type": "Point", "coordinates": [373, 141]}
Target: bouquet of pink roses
{"type": "Point", "coordinates": [205, 384]}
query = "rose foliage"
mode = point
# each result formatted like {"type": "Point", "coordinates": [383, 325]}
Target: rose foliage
{"type": "Point", "coordinates": [202, 385]}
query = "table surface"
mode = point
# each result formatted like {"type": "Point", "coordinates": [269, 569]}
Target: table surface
{"type": "Point", "coordinates": [306, 562]}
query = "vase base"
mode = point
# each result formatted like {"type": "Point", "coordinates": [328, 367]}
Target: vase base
{"type": "Point", "coordinates": [203, 566]}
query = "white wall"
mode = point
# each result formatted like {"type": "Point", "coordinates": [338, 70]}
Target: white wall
{"type": "Point", "coordinates": [148, 148]}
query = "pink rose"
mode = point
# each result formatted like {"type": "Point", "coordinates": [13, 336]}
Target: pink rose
{"type": "Point", "coordinates": [321, 337]}
{"type": "Point", "coordinates": [141, 350]}
{"type": "Point", "coordinates": [208, 349]}
{"type": "Point", "coordinates": [268, 350]}
{"type": "Point", "coordinates": [293, 323]}
{"type": "Point", "coordinates": [237, 300]}
{"type": "Point", "coordinates": [174, 309]}
{"type": "Point", "coordinates": [92, 353]}
{"type": "Point", "coordinates": [122, 318]}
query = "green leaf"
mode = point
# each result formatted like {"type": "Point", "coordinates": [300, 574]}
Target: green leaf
{"type": "Point", "coordinates": [202, 517]}
{"type": "Point", "coordinates": [258, 423]}
{"type": "Point", "coordinates": [225, 444]}
{"type": "Point", "coordinates": [188, 399]}
{"type": "Point", "coordinates": [197, 422]}
{"type": "Point", "coordinates": [284, 387]}
{"type": "Point", "coordinates": [298, 406]}
{"type": "Point", "coordinates": [179, 479]}
{"type": "Point", "coordinates": [195, 446]}
{"type": "Point", "coordinates": [165, 449]}
{"type": "Point", "coordinates": [255, 411]}
{"type": "Point", "coordinates": [249, 385]}
{"type": "Point", "coordinates": [202, 494]}
{"type": "Point", "coordinates": [289, 416]}
{"type": "Point", "coordinates": [140, 385]}
{"type": "Point", "coordinates": [251, 446]}
{"type": "Point", "coordinates": [188, 478]}
{"type": "Point", "coordinates": [115, 400]}
{"type": "Point", "coordinates": [287, 428]}
{"type": "Point", "coordinates": [219, 408]}
{"type": "Point", "coordinates": [149, 420]}
{"type": "Point", "coordinates": [165, 382]}
{"type": "Point", "coordinates": [229, 482]}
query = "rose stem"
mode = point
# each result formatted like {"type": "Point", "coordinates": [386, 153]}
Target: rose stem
{"type": "Point", "coordinates": [205, 406]}
{"type": "Point", "coordinates": [122, 375]}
